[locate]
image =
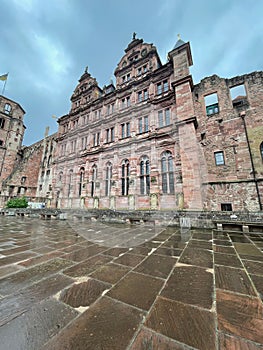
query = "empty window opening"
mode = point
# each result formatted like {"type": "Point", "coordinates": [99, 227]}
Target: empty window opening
{"type": "Point", "coordinates": [238, 95]}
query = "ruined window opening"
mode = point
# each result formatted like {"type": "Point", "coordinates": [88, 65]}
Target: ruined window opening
{"type": "Point", "coordinates": [2, 123]}
{"type": "Point", "coordinates": [145, 176]}
{"type": "Point", "coordinates": [108, 179]}
{"type": "Point", "coordinates": [167, 173]}
{"type": "Point", "coordinates": [211, 104]}
{"type": "Point", "coordinates": [219, 158]}
{"type": "Point", "coordinates": [238, 95]}
{"type": "Point", "coordinates": [1, 142]}
{"type": "Point", "coordinates": [226, 207]}
{"type": "Point", "coordinates": [8, 108]}
{"type": "Point", "coordinates": [40, 187]}
{"type": "Point", "coordinates": [261, 151]}
{"type": "Point", "coordinates": [48, 172]}
{"type": "Point", "coordinates": [125, 174]}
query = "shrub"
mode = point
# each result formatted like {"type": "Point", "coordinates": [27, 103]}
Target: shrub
{"type": "Point", "coordinates": [17, 203]}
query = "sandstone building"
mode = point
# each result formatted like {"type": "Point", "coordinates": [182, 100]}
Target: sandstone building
{"type": "Point", "coordinates": [153, 140]}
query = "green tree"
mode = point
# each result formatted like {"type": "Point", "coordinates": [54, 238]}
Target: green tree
{"type": "Point", "coordinates": [17, 203]}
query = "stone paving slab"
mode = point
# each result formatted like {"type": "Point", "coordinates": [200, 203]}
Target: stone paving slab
{"type": "Point", "coordinates": [129, 288]}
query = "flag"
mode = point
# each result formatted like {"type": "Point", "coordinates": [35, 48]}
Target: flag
{"type": "Point", "coordinates": [3, 77]}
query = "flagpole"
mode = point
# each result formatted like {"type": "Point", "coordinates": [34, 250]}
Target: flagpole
{"type": "Point", "coordinates": [3, 90]}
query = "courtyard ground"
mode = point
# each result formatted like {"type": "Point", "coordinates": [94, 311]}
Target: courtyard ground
{"type": "Point", "coordinates": [73, 285]}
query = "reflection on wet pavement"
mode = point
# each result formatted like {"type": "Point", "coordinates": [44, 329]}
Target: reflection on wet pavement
{"type": "Point", "coordinates": [86, 285]}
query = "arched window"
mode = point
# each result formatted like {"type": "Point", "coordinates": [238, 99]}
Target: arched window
{"type": "Point", "coordinates": [145, 175]}
{"type": "Point", "coordinates": [108, 179]}
{"type": "Point", "coordinates": [167, 173]}
{"type": "Point", "coordinates": [93, 180]}
{"type": "Point", "coordinates": [261, 150]}
{"type": "Point", "coordinates": [125, 173]}
{"type": "Point", "coordinates": [81, 179]}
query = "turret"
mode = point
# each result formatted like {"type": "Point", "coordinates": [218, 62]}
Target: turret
{"type": "Point", "coordinates": [181, 58]}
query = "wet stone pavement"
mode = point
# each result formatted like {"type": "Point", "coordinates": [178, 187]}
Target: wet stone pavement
{"type": "Point", "coordinates": [84, 285]}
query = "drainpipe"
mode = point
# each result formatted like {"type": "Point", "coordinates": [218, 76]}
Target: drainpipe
{"type": "Point", "coordinates": [242, 115]}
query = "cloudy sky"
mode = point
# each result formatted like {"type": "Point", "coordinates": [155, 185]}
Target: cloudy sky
{"type": "Point", "coordinates": [46, 44]}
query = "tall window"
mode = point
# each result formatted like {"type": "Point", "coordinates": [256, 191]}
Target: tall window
{"type": "Point", "coordinates": [125, 130]}
{"type": "Point", "coordinates": [164, 117]}
{"type": "Point", "coordinates": [125, 173]}
{"type": "Point", "coordinates": [110, 135]}
{"type": "Point", "coordinates": [81, 179]}
{"type": "Point", "coordinates": [126, 102]}
{"type": "Point", "coordinates": [142, 95]}
{"type": "Point", "coordinates": [145, 176]}
{"type": "Point", "coordinates": [143, 125]}
{"type": "Point", "coordinates": [96, 139]}
{"type": "Point", "coordinates": [93, 180]}
{"type": "Point", "coordinates": [167, 173]}
{"type": "Point", "coordinates": [70, 179]}
{"type": "Point", "coordinates": [108, 179]}
{"type": "Point", "coordinates": [162, 87]}
{"type": "Point", "coordinates": [261, 150]}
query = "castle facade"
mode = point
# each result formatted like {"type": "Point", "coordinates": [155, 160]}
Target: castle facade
{"type": "Point", "coordinates": [153, 140]}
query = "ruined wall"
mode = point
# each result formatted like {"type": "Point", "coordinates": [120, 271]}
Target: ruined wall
{"type": "Point", "coordinates": [24, 178]}
{"type": "Point", "coordinates": [224, 131]}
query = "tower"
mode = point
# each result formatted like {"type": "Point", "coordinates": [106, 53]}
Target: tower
{"type": "Point", "coordinates": [11, 135]}
{"type": "Point", "coordinates": [187, 123]}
